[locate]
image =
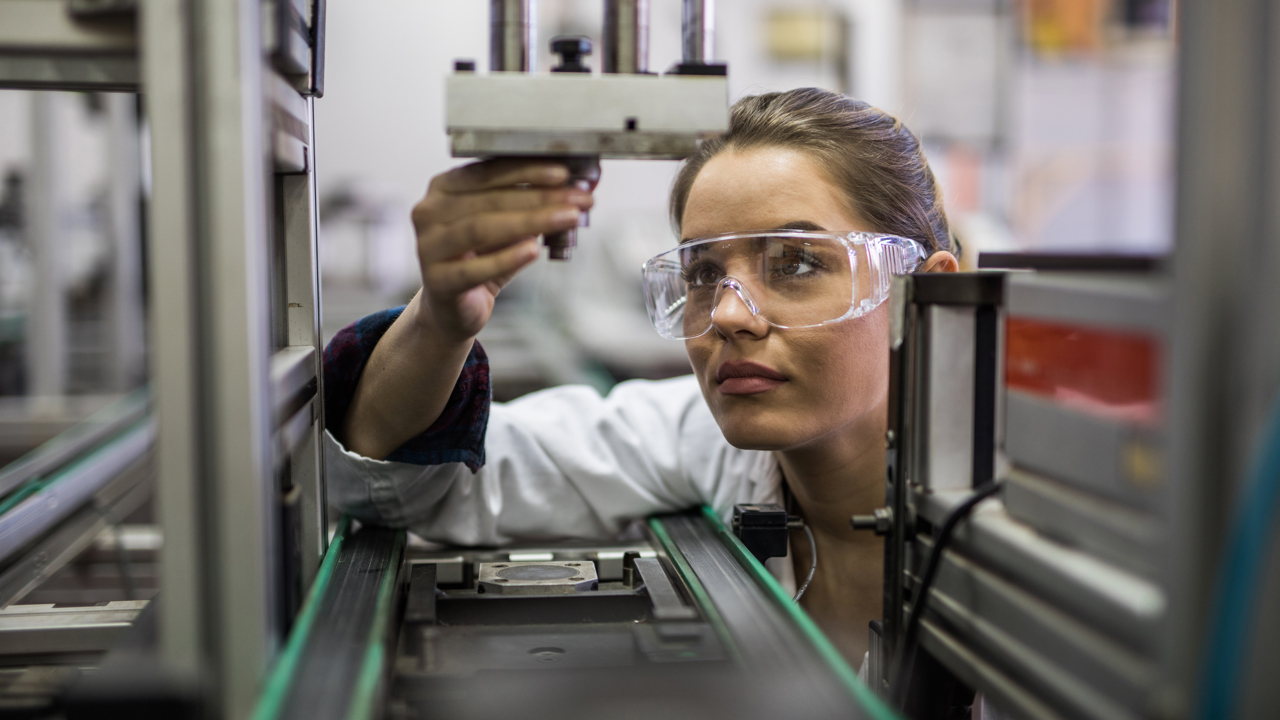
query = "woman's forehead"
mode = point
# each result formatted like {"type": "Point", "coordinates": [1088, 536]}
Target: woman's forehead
{"type": "Point", "coordinates": [742, 190]}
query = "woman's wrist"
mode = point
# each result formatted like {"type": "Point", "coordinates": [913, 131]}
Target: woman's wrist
{"type": "Point", "coordinates": [430, 335]}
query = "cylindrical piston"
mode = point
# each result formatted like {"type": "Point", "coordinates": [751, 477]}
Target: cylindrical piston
{"type": "Point", "coordinates": [584, 173]}
{"type": "Point", "coordinates": [698, 30]}
{"type": "Point", "coordinates": [626, 36]}
{"type": "Point", "coordinates": [511, 30]}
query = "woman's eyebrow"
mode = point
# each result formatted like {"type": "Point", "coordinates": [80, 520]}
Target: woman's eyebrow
{"type": "Point", "coordinates": [802, 225]}
{"type": "Point", "coordinates": [793, 225]}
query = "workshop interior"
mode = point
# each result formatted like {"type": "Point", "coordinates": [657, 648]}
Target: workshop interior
{"type": "Point", "coordinates": [1081, 509]}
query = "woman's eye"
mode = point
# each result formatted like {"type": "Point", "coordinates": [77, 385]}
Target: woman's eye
{"type": "Point", "coordinates": [702, 274]}
{"type": "Point", "coordinates": [794, 264]}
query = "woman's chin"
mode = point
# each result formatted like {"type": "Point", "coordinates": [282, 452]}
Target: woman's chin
{"type": "Point", "coordinates": [749, 435]}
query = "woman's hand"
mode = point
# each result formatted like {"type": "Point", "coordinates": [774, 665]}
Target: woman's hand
{"type": "Point", "coordinates": [477, 227]}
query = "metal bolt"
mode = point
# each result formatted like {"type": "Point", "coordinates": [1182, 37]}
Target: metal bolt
{"type": "Point", "coordinates": [880, 521]}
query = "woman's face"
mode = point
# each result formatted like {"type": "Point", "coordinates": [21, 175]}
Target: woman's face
{"type": "Point", "coordinates": [834, 377]}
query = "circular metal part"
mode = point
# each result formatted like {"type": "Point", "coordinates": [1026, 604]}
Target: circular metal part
{"type": "Point", "coordinates": [537, 572]}
{"type": "Point", "coordinates": [536, 578]}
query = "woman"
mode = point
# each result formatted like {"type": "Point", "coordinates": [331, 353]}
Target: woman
{"type": "Point", "coordinates": [790, 366]}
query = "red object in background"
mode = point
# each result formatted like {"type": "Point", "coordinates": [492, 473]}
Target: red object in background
{"type": "Point", "coordinates": [1104, 372]}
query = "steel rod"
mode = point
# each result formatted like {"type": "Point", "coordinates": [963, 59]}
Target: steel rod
{"type": "Point", "coordinates": [626, 36]}
{"type": "Point", "coordinates": [511, 35]}
{"type": "Point", "coordinates": [698, 31]}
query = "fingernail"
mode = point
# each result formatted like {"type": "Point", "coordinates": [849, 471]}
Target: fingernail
{"type": "Point", "coordinates": [556, 174]}
{"type": "Point", "coordinates": [566, 215]}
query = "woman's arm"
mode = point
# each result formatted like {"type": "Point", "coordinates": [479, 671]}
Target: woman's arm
{"type": "Point", "coordinates": [477, 227]}
{"type": "Point", "coordinates": [560, 463]}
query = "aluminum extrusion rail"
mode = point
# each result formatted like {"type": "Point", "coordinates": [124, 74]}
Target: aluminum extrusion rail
{"type": "Point", "coordinates": [766, 629]}
{"type": "Point", "coordinates": [333, 664]}
{"type": "Point", "coordinates": [75, 441]}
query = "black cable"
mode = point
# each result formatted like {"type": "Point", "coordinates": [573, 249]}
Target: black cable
{"type": "Point", "coordinates": [907, 639]}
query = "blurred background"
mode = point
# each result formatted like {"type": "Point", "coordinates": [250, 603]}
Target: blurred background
{"type": "Point", "coordinates": [1048, 122]}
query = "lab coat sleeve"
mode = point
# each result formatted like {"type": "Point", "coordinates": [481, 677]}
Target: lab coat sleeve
{"type": "Point", "coordinates": [560, 463]}
{"type": "Point", "coordinates": [456, 436]}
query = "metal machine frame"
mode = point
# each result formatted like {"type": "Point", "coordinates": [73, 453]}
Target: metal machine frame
{"type": "Point", "coordinates": [1087, 591]}
{"type": "Point", "coordinates": [234, 300]}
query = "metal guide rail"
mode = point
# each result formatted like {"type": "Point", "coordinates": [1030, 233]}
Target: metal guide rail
{"type": "Point", "coordinates": [56, 499]}
{"type": "Point", "coordinates": [685, 624]}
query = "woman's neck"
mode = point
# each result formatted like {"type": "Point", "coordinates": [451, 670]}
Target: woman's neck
{"type": "Point", "coordinates": [831, 480]}
{"type": "Point", "coordinates": [839, 475]}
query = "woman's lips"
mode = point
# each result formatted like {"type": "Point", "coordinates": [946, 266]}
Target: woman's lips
{"type": "Point", "coordinates": [747, 378]}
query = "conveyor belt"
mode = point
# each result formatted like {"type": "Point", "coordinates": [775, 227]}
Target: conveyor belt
{"type": "Point", "coordinates": [769, 632]}
{"type": "Point", "coordinates": [332, 666]}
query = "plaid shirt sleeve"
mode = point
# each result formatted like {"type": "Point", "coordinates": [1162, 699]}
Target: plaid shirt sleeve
{"type": "Point", "coordinates": [457, 436]}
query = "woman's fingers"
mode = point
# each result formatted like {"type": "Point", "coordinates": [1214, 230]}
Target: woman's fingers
{"type": "Point", "coordinates": [504, 172]}
{"type": "Point", "coordinates": [444, 208]}
{"type": "Point", "coordinates": [450, 279]}
{"type": "Point", "coordinates": [489, 231]}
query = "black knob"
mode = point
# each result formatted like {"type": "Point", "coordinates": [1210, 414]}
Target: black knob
{"type": "Point", "coordinates": [571, 49]}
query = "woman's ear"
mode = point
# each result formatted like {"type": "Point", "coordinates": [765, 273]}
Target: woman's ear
{"type": "Point", "coordinates": [941, 261]}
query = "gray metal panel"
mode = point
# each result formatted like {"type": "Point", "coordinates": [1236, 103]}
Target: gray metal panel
{"type": "Point", "coordinates": [1128, 607]}
{"type": "Point", "coordinates": [948, 446]}
{"type": "Point", "coordinates": [43, 47]}
{"type": "Point", "coordinates": [976, 672]}
{"type": "Point", "coordinates": [1114, 459]}
{"type": "Point", "coordinates": [298, 217]}
{"type": "Point", "coordinates": [1225, 367]}
{"type": "Point", "coordinates": [46, 26]}
{"type": "Point", "coordinates": [1031, 640]}
{"type": "Point", "coordinates": [233, 231]}
{"type": "Point", "coordinates": [1118, 534]}
{"type": "Point", "coordinates": [80, 72]}
{"type": "Point", "coordinates": [176, 362]}
{"type": "Point", "coordinates": [1127, 302]}
{"type": "Point", "coordinates": [43, 629]}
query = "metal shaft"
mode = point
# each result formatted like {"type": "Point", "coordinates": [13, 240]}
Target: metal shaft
{"type": "Point", "coordinates": [626, 36]}
{"type": "Point", "coordinates": [698, 30]}
{"type": "Point", "coordinates": [511, 35]}
{"type": "Point", "coordinates": [584, 173]}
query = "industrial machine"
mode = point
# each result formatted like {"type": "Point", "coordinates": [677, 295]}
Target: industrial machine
{"type": "Point", "coordinates": [1080, 494]}
{"type": "Point", "coordinates": [1084, 452]}
{"type": "Point", "coordinates": [579, 117]}
{"type": "Point", "coordinates": [685, 623]}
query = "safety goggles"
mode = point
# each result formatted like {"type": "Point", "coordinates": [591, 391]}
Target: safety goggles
{"type": "Point", "coordinates": [788, 278]}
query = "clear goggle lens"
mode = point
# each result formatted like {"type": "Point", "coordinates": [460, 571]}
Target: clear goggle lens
{"type": "Point", "coordinates": [789, 278]}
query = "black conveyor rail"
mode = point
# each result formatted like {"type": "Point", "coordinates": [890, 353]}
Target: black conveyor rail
{"type": "Point", "coordinates": [333, 666]}
{"type": "Point", "coordinates": [769, 631]}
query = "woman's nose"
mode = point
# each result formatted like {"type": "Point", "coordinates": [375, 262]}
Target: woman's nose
{"type": "Point", "coordinates": [735, 312]}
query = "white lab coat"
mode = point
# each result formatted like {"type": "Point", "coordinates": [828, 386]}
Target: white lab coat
{"type": "Point", "coordinates": [567, 463]}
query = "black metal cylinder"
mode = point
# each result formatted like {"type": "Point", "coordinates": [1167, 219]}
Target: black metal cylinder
{"type": "Point", "coordinates": [584, 173]}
